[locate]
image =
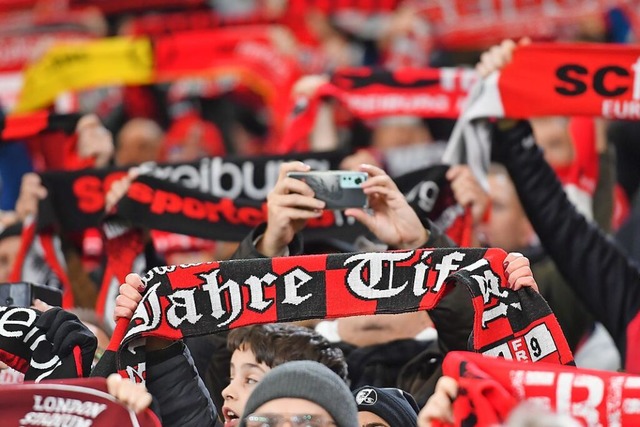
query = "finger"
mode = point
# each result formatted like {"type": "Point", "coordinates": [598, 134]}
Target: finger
{"type": "Point", "coordinates": [135, 280]}
{"type": "Point", "coordinates": [130, 292]}
{"type": "Point", "coordinates": [482, 70]}
{"type": "Point", "coordinates": [297, 214]}
{"type": "Point", "coordinates": [526, 281]}
{"type": "Point", "coordinates": [122, 301]}
{"type": "Point", "coordinates": [113, 383]}
{"type": "Point", "coordinates": [382, 180]}
{"type": "Point", "coordinates": [511, 256]}
{"type": "Point", "coordinates": [372, 170]}
{"type": "Point", "coordinates": [361, 216]}
{"type": "Point", "coordinates": [133, 173]}
{"type": "Point", "coordinates": [122, 312]}
{"type": "Point", "coordinates": [292, 185]}
{"type": "Point", "coordinates": [448, 385]}
{"type": "Point", "coordinates": [388, 193]}
{"type": "Point", "coordinates": [142, 401]}
{"type": "Point", "coordinates": [124, 391]}
{"type": "Point", "coordinates": [498, 57]}
{"type": "Point", "coordinates": [524, 41]}
{"type": "Point", "coordinates": [508, 46]}
{"type": "Point", "coordinates": [298, 201]}
{"type": "Point", "coordinates": [296, 166]}
{"type": "Point", "coordinates": [40, 305]}
{"type": "Point", "coordinates": [453, 171]}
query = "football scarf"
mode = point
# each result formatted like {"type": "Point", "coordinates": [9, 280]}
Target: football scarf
{"type": "Point", "coordinates": [570, 79]}
{"type": "Point", "coordinates": [222, 198]}
{"type": "Point", "coordinates": [25, 348]}
{"type": "Point", "coordinates": [477, 24]}
{"type": "Point", "coordinates": [489, 389]}
{"type": "Point", "coordinates": [20, 126]}
{"type": "Point", "coordinates": [373, 93]}
{"type": "Point", "coordinates": [40, 259]}
{"type": "Point", "coordinates": [74, 402]}
{"type": "Point", "coordinates": [200, 299]}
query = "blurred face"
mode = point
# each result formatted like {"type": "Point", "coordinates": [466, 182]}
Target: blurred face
{"type": "Point", "coordinates": [508, 227]}
{"type": "Point", "coordinates": [289, 406]}
{"type": "Point", "coordinates": [9, 248]}
{"type": "Point", "coordinates": [137, 143]}
{"type": "Point", "coordinates": [363, 331]}
{"type": "Point", "coordinates": [399, 135]}
{"type": "Point", "coordinates": [369, 419]}
{"type": "Point", "coordinates": [245, 373]}
{"type": "Point", "coordinates": [552, 135]}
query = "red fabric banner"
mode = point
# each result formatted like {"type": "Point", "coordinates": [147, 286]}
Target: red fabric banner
{"type": "Point", "coordinates": [371, 93]}
{"type": "Point", "coordinates": [469, 24]}
{"type": "Point", "coordinates": [491, 388]}
{"type": "Point", "coordinates": [83, 401]}
{"type": "Point", "coordinates": [244, 52]}
{"type": "Point", "coordinates": [572, 79]}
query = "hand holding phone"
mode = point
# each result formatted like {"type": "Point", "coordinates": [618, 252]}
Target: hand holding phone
{"type": "Point", "coordinates": [338, 189]}
{"type": "Point", "coordinates": [22, 294]}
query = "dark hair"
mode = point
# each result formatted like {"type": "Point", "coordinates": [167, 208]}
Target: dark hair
{"type": "Point", "coordinates": [277, 343]}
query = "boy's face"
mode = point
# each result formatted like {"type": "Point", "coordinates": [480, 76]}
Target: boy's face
{"type": "Point", "coordinates": [246, 372]}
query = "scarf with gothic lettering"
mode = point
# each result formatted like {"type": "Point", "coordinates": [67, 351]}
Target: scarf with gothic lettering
{"type": "Point", "coordinates": [491, 388]}
{"type": "Point", "coordinates": [192, 300]}
{"type": "Point", "coordinates": [373, 93]}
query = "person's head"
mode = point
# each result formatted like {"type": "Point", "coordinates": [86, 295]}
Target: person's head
{"type": "Point", "coordinates": [553, 136]}
{"type": "Point", "coordinates": [139, 141]}
{"type": "Point", "coordinates": [190, 138]}
{"type": "Point", "coordinates": [508, 226]}
{"type": "Point", "coordinates": [305, 390]}
{"type": "Point", "coordinates": [257, 349]}
{"type": "Point", "coordinates": [363, 331]}
{"type": "Point", "coordinates": [10, 241]}
{"type": "Point", "coordinates": [385, 407]}
{"type": "Point", "coordinates": [399, 131]}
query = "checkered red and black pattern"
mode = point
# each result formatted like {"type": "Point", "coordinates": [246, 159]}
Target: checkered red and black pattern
{"type": "Point", "coordinates": [182, 301]}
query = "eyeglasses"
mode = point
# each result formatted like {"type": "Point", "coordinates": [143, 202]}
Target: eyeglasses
{"type": "Point", "coordinates": [297, 420]}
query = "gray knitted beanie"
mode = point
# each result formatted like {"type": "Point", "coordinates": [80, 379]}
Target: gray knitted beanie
{"type": "Point", "coordinates": [305, 379]}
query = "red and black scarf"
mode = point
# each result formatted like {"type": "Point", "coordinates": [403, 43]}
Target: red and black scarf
{"type": "Point", "coordinates": [372, 93]}
{"type": "Point", "coordinates": [200, 299]}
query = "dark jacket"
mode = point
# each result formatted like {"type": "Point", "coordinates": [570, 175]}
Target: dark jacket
{"type": "Point", "coordinates": [594, 267]}
{"type": "Point", "coordinates": [173, 381]}
{"type": "Point", "coordinates": [574, 318]}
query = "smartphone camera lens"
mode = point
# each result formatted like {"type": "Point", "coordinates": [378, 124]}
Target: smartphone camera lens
{"type": "Point", "coordinates": [358, 181]}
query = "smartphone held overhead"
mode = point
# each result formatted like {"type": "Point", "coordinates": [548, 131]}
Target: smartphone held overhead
{"type": "Point", "coordinates": [338, 189]}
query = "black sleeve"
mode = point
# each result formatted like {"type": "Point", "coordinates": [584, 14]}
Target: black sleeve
{"type": "Point", "coordinates": [247, 249]}
{"type": "Point", "coordinates": [182, 397]}
{"type": "Point", "coordinates": [453, 316]}
{"type": "Point", "coordinates": [594, 267]}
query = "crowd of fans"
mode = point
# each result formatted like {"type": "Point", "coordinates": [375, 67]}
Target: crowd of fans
{"type": "Point", "coordinates": [565, 209]}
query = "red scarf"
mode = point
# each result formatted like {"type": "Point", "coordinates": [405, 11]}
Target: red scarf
{"type": "Point", "coordinates": [491, 388]}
